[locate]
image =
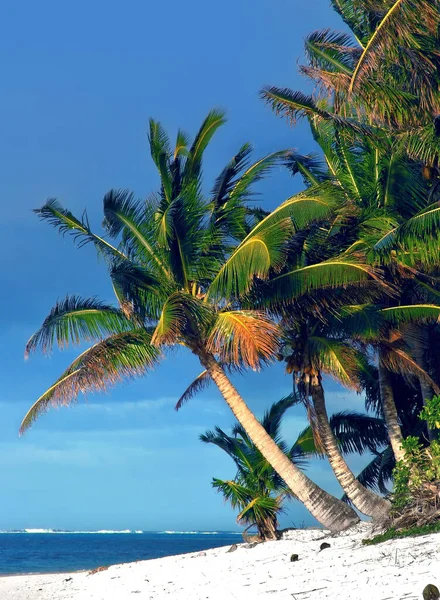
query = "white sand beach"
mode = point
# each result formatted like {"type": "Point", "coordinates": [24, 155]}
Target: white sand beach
{"type": "Point", "coordinates": [398, 569]}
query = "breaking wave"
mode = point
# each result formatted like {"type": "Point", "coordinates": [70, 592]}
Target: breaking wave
{"type": "Point", "coordinates": [200, 532]}
{"type": "Point", "coordinates": [59, 531]}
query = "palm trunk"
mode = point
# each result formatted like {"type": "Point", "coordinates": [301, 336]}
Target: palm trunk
{"type": "Point", "coordinates": [390, 412]}
{"type": "Point", "coordinates": [267, 529]}
{"type": "Point", "coordinates": [418, 343]}
{"type": "Point", "coordinates": [365, 500]}
{"type": "Point", "coordinates": [331, 512]}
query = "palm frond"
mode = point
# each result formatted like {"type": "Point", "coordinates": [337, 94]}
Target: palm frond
{"type": "Point", "coordinates": [336, 358]}
{"type": "Point", "coordinates": [295, 105]}
{"type": "Point", "coordinates": [244, 337]}
{"type": "Point", "coordinates": [225, 182]}
{"type": "Point", "coordinates": [63, 220]}
{"type": "Point", "coordinates": [181, 314]}
{"type": "Point", "coordinates": [358, 432]}
{"type": "Point", "coordinates": [272, 418]}
{"type": "Point", "coordinates": [200, 383]}
{"type": "Point", "coordinates": [118, 357]}
{"type": "Point", "coordinates": [124, 214]}
{"type": "Point", "coordinates": [140, 292]}
{"type": "Point", "coordinates": [256, 172]}
{"type": "Point", "coordinates": [355, 433]}
{"type": "Point", "coordinates": [74, 320]}
{"type": "Point", "coordinates": [214, 120]}
{"type": "Point", "coordinates": [408, 21]}
{"type": "Point", "coordinates": [263, 248]}
{"type": "Point", "coordinates": [328, 274]}
{"type": "Point", "coordinates": [310, 166]}
{"type": "Point", "coordinates": [398, 361]}
{"type": "Point", "coordinates": [327, 49]}
{"type": "Point", "coordinates": [413, 313]}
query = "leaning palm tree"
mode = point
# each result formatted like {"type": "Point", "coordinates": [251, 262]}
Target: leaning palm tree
{"type": "Point", "coordinates": [256, 490]}
{"type": "Point", "coordinates": [181, 268]}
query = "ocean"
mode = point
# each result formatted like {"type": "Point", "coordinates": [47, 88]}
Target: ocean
{"type": "Point", "coordinates": [48, 551]}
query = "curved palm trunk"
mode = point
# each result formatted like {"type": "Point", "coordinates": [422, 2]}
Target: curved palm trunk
{"type": "Point", "coordinates": [390, 412]}
{"type": "Point", "coordinates": [365, 500]}
{"type": "Point", "coordinates": [331, 512]}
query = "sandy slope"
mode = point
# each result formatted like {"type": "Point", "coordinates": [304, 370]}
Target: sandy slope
{"type": "Point", "coordinates": [347, 570]}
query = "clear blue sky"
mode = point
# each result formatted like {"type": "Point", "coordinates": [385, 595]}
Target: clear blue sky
{"type": "Point", "coordinates": [79, 82]}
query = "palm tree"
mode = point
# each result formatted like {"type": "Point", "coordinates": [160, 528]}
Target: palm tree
{"type": "Point", "coordinates": [362, 433]}
{"type": "Point", "coordinates": [181, 271]}
{"type": "Point", "coordinates": [386, 214]}
{"type": "Point", "coordinates": [314, 348]}
{"type": "Point", "coordinates": [256, 490]}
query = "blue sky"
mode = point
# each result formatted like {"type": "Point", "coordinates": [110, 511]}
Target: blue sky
{"type": "Point", "coordinates": [79, 82]}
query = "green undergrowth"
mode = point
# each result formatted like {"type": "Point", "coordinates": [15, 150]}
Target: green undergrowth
{"type": "Point", "coordinates": [392, 534]}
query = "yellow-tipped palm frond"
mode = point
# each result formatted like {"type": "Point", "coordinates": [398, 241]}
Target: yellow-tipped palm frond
{"type": "Point", "coordinates": [244, 338]}
{"type": "Point", "coordinates": [119, 357]}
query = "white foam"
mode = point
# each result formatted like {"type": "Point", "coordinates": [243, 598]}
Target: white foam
{"type": "Point", "coordinates": [62, 531]}
{"type": "Point", "coordinates": [172, 532]}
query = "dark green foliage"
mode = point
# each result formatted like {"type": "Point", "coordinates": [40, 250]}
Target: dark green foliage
{"type": "Point", "coordinates": [393, 534]}
{"type": "Point", "coordinates": [431, 412]}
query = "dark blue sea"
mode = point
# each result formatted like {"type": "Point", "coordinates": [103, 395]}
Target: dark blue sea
{"type": "Point", "coordinates": [24, 552]}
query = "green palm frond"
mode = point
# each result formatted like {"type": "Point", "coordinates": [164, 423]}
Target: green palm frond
{"type": "Point", "coordinates": [182, 144]}
{"type": "Point", "coordinates": [263, 249]}
{"type": "Point", "coordinates": [356, 433]}
{"type": "Point", "coordinates": [311, 168]}
{"type": "Point", "coordinates": [160, 150]}
{"type": "Point", "coordinates": [335, 51]}
{"type": "Point", "coordinates": [74, 320]}
{"type": "Point", "coordinates": [336, 358]}
{"type": "Point", "coordinates": [63, 220]}
{"type": "Point", "coordinates": [259, 508]}
{"type": "Point", "coordinates": [233, 190]}
{"type": "Point", "coordinates": [413, 313]}
{"type": "Point", "coordinates": [116, 358]}
{"type": "Point", "coordinates": [181, 314]}
{"type": "Point", "coordinates": [294, 105]}
{"type": "Point", "coordinates": [125, 214]}
{"type": "Point", "coordinates": [200, 383]}
{"type": "Point", "coordinates": [329, 274]}
{"type": "Point", "coordinates": [226, 180]}
{"type": "Point", "coordinates": [140, 292]}
{"type": "Point", "coordinates": [256, 172]}
{"type": "Point", "coordinates": [272, 418]}
{"type": "Point", "coordinates": [355, 15]}
{"type": "Point", "coordinates": [214, 120]}
{"type": "Point", "coordinates": [159, 141]}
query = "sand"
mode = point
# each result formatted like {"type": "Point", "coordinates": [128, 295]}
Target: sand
{"type": "Point", "coordinates": [398, 569]}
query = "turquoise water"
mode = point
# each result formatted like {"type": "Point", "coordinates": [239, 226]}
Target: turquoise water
{"type": "Point", "coordinates": [47, 552]}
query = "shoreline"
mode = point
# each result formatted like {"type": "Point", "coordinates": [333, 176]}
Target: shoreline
{"type": "Point", "coordinates": [345, 570]}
